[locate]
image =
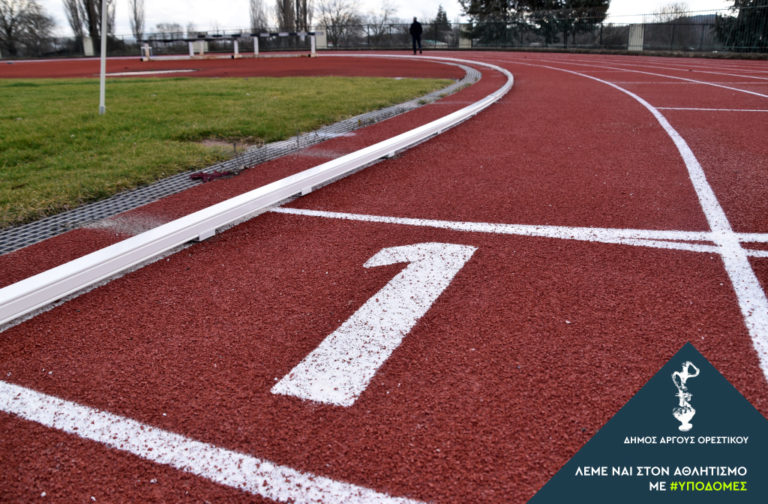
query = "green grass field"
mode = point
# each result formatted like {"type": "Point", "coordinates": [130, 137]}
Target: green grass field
{"type": "Point", "coordinates": [57, 153]}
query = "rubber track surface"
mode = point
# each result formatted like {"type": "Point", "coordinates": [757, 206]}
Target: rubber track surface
{"type": "Point", "coordinates": [536, 343]}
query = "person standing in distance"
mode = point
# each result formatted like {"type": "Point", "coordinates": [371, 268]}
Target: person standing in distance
{"type": "Point", "coordinates": [415, 31]}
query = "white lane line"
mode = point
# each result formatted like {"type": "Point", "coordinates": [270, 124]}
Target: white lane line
{"type": "Point", "coordinates": [693, 68]}
{"type": "Point", "coordinates": [753, 237]}
{"type": "Point", "coordinates": [676, 83]}
{"type": "Point", "coordinates": [761, 95]}
{"type": "Point", "coordinates": [712, 109]}
{"type": "Point", "coordinates": [670, 240]}
{"type": "Point", "coordinates": [225, 467]}
{"type": "Point", "coordinates": [342, 366]}
{"type": "Point", "coordinates": [664, 64]}
{"type": "Point", "coordinates": [738, 76]}
{"type": "Point", "coordinates": [705, 83]}
{"type": "Point", "coordinates": [749, 293]}
{"type": "Point", "coordinates": [639, 237]}
{"type": "Point", "coordinates": [750, 67]}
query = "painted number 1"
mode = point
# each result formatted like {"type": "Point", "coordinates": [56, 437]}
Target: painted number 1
{"type": "Point", "coordinates": [341, 367]}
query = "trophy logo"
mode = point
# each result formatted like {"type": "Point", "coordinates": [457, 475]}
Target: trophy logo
{"type": "Point", "coordinates": [684, 411]}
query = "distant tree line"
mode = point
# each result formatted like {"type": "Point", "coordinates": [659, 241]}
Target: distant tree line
{"type": "Point", "coordinates": [344, 24]}
{"type": "Point", "coordinates": [84, 16]}
{"type": "Point", "coordinates": [746, 29]}
{"type": "Point", "coordinates": [294, 15]}
{"type": "Point", "coordinates": [554, 20]}
{"type": "Point", "coordinates": [24, 28]}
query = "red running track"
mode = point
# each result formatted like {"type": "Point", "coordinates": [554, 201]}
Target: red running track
{"type": "Point", "coordinates": [537, 341]}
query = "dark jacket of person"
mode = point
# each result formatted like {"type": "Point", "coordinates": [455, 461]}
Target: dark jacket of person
{"type": "Point", "coordinates": [415, 29]}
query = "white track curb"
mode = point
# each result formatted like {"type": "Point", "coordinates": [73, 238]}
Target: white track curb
{"type": "Point", "coordinates": [35, 292]}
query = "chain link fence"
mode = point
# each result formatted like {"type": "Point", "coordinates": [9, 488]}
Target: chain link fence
{"type": "Point", "coordinates": [743, 30]}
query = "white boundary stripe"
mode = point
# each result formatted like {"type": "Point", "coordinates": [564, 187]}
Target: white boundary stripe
{"type": "Point", "coordinates": [225, 467]}
{"type": "Point", "coordinates": [23, 297]}
{"type": "Point", "coordinates": [672, 240]}
{"type": "Point", "coordinates": [712, 109]}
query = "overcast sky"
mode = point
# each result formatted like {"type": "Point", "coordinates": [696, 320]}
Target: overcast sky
{"type": "Point", "coordinates": [231, 14]}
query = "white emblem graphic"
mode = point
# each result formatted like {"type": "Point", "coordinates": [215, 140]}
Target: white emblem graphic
{"type": "Point", "coordinates": [684, 411]}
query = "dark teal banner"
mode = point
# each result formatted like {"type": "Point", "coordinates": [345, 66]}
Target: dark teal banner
{"type": "Point", "coordinates": [688, 436]}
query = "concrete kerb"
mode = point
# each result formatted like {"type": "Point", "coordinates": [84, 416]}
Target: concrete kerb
{"type": "Point", "coordinates": [91, 215]}
{"type": "Point", "coordinates": [38, 291]}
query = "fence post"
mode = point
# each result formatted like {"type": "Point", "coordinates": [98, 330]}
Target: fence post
{"type": "Point", "coordinates": [320, 39]}
{"type": "Point", "coordinates": [672, 38]}
{"type": "Point", "coordinates": [464, 42]}
{"type": "Point", "coordinates": [636, 34]}
{"type": "Point", "coordinates": [88, 47]}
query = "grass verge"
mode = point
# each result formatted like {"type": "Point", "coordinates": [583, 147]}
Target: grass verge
{"type": "Point", "coordinates": [57, 153]}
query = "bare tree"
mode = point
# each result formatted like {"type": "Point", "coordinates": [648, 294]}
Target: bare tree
{"type": "Point", "coordinates": [84, 16]}
{"type": "Point", "coordinates": [258, 16]}
{"type": "Point", "coordinates": [378, 21]}
{"type": "Point", "coordinates": [304, 11]}
{"type": "Point", "coordinates": [670, 12]}
{"type": "Point", "coordinates": [137, 19]}
{"type": "Point", "coordinates": [294, 15]}
{"type": "Point", "coordinates": [92, 18]}
{"type": "Point", "coordinates": [338, 18]}
{"type": "Point", "coordinates": [111, 6]}
{"type": "Point", "coordinates": [12, 13]}
{"type": "Point", "coordinates": [24, 26]}
{"type": "Point", "coordinates": [73, 10]}
{"type": "Point", "coordinates": [36, 39]}
{"type": "Point", "coordinates": [169, 31]}
{"type": "Point", "coordinates": [285, 13]}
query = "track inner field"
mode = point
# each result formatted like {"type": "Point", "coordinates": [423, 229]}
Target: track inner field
{"type": "Point", "coordinates": [596, 264]}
